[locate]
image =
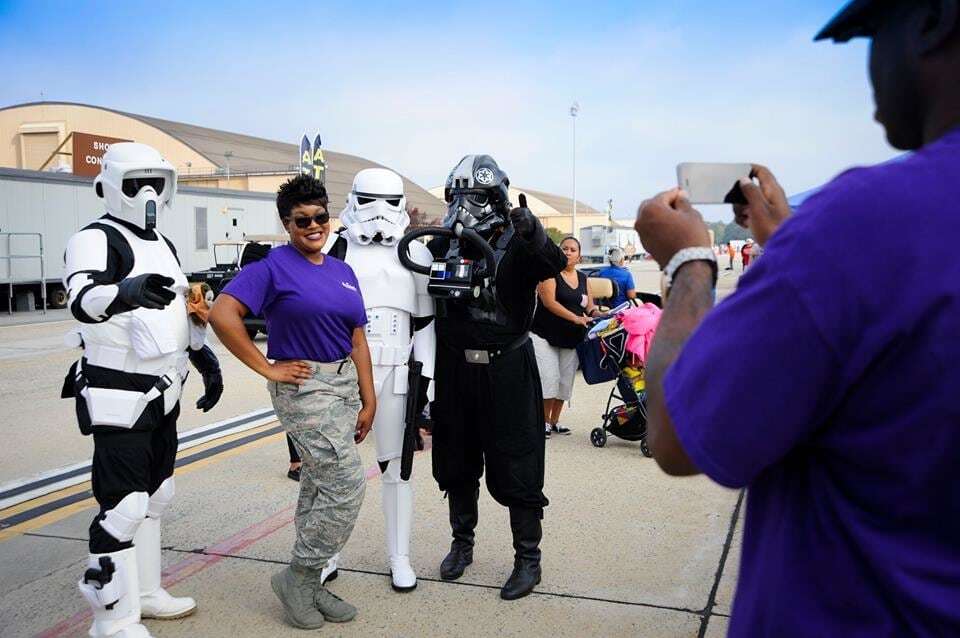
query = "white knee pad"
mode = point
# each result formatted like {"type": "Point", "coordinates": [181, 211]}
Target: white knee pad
{"type": "Point", "coordinates": [160, 500]}
{"type": "Point", "coordinates": [122, 521]}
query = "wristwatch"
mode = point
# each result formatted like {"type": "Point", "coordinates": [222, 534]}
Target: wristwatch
{"type": "Point", "coordinates": [700, 253]}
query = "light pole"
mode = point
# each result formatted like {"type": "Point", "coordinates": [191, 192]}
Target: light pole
{"type": "Point", "coordinates": [227, 155]}
{"type": "Point", "coordinates": [574, 110]}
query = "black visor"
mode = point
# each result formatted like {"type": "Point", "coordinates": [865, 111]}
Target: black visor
{"type": "Point", "coordinates": [132, 185]}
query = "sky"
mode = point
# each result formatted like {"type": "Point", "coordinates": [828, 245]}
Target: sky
{"type": "Point", "coordinates": [417, 85]}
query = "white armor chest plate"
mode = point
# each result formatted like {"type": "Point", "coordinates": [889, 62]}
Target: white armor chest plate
{"type": "Point", "coordinates": [389, 292]}
{"type": "Point", "coordinates": [390, 295]}
{"type": "Point", "coordinates": [156, 339]}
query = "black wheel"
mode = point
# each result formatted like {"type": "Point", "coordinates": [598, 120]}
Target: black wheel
{"type": "Point", "coordinates": [598, 437]}
{"type": "Point", "coordinates": [56, 297]}
{"type": "Point", "coordinates": [645, 448]}
{"type": "Point", "coordinates": [252, 333]}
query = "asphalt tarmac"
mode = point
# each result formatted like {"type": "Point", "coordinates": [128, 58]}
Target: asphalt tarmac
{"type": "Point", "coordinates": [628, 551]}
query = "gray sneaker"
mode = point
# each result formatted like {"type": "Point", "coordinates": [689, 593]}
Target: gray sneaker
{"type": "Point", "coordinates": [333, 608]}
{"type": "Point", "coordinates": [296, 589]}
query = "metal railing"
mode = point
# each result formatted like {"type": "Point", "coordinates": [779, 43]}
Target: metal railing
{"type": "Point", "coordinates": [10, 279]}
{"type": "Point", "coordinates": [217, 173]}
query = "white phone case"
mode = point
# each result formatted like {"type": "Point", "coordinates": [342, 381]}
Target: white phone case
{"type": "Point", "coordinates": [707, 183]}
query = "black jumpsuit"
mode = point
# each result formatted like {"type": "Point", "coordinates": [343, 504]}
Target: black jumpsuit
{"type": "Point", "coordinates": [494, 412]}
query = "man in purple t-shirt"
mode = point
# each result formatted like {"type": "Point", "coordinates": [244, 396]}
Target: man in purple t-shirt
{"type": "Point", "coordinates": [846, 427]}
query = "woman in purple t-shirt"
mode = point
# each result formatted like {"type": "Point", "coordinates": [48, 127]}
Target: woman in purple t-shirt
{"type": "Point", "coordinates": [321, 384]}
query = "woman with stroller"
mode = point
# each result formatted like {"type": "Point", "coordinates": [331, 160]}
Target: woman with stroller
{"type": "Point", "coordinates": [559, 324]}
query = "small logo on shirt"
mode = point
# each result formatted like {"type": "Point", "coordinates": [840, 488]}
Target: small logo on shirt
{"type": "Point", "coordinates": [348, 286]}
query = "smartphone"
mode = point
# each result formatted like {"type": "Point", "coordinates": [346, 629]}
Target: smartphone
{"type": "Point", "coordinates": [713, 183]}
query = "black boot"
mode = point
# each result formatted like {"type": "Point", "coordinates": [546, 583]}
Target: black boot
{"type": "Point", "coordinates": [463, 520]}
{"type": "Point", "coordinates": [527, 532]}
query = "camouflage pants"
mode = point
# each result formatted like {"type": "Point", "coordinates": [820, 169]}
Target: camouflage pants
{"type": "Point", "coordinates": [321, 417]}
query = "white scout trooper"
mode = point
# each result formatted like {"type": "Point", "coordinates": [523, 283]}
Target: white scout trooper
{"type": "Point", "coordinates": [400, 315]}
{"type": "Point", "coordinates": [127, 290]}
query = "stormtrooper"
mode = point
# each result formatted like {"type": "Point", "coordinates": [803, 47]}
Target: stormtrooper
{"type": "Point", "coordinates": [488, 259]}
{"type": "Point", "coordinates": [400, 314]}
{"type": "Point", "coordinates": [128, 292]}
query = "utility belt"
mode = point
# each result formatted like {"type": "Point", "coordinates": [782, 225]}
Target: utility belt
{"type": "Point", "coordinates": [127, 360]}
{"type": "Point", "coordinates": [331, 367]}
{"type": "Point", "coordinates": [486, 356]}
{"type": "Point", "coordinates": [123, 408]}
{"type": "Point", "coordinates": [382, 355]}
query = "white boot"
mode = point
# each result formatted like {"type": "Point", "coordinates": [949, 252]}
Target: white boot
{"type": "Point", "coordinates": [398, 513]}
{"type": "Point", "coordinates": [111, 580]}
{"type": "Point", "coordinates": [330, 571]}
{"type": "Point", "coordinates": [155, 602]}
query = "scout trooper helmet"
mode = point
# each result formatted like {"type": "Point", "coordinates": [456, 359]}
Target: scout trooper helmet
{"type": "Point", "coordinates": [476, 195]}
{"type": "Point", "coordinates": [376, 208]}
{"type": "Point", "coordinates": [136, 183]}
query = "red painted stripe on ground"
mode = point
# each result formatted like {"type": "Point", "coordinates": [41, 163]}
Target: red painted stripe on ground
{"type": "Point", "coordinates": [198, 562]}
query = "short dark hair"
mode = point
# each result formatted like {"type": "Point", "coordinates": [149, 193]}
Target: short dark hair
{"type": "Point", "coordinates": [574, 240]}
{"type": "Point", "coordinates": [299, 190]}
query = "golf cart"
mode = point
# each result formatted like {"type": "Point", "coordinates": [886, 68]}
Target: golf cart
{"type": "Point", "coordinates": [231, 256]}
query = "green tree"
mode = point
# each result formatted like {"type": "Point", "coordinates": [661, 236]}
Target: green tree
{"type": "Point", "coordinates": [735, 232]}
{"type": "Point", "coordinates": [555, 235]}
{"type": "Point", "coordinates": [718, 228]}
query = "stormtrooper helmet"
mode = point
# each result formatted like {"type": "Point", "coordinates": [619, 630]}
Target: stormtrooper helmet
{"type": "Point", "coordinates": [376, 208]}
{"type": "Point", "coordinates": [136, 183]}
{"type": "Point", "coordinates": [476, 195]}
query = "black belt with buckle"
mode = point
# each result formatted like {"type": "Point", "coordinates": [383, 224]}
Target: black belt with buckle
{"type": "Point", "coordinates": [484, 357]}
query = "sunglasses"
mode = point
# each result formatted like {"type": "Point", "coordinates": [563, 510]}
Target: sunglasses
{"type": "Point", "coordinates": [304, 221]}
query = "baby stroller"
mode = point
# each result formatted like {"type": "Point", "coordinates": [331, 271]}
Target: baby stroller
{"type": "Point", "coordinates": [604, 359]}
{"type": "Point", "coordinates": [627, 420]}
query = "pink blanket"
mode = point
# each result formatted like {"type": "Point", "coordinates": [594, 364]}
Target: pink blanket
{"type": "Point", "coordinates": [641, 324]}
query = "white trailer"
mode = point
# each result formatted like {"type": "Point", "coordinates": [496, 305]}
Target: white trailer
{"type": "Point", "coordinates": [596, 241]}
{"type": "Point", "coordinates": [42, 210]}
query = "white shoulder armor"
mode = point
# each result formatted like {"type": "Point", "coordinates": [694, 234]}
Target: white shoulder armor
{"type": "Point", "coordinates": [86, 252]}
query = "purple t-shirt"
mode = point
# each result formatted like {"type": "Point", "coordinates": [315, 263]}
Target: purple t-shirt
{"type": "Point", "coordinates": [311, 311]}
{"type": "Point", "coordinates": [843, 416]}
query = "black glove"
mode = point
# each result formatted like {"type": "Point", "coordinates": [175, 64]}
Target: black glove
{"type": "Point", "coordinates": [208, 366]}
{"type": "Point", "coordinates": [149, 290]}
{"type": "Point", "coordinates": [524, 223]}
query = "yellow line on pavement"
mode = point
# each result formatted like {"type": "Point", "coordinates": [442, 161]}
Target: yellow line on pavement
{"type": "Point", "coordinates": [68, 510]}
{"type": "Point", "coordinates": [13, 510]}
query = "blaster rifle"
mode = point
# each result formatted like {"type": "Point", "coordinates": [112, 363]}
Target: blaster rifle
{"type": "Point", "coordinates": [411, 420]}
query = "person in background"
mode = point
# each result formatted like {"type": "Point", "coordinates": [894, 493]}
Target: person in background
{"type": "Point", "coordinates": [295, 461]}
{"type": "Point", "coordinates": [731, 253]}
{"type": "Point", "coordinates": [559, 324]}
{"type": "Point", "coordinates": [853, 510]}
{"type": "Point", "coordinates": [320, 382]}
{"type": "Point", "coordinates": [620, 274]}
{"type": "Point", "coordinates": [746, 252]}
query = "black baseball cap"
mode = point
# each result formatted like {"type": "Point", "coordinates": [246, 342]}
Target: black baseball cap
{"type": "Point", "coordinates": [855, 20]}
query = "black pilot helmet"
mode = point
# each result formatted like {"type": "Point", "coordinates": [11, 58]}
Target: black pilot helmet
{"type": "Point", "coordinates": [476, 195]}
